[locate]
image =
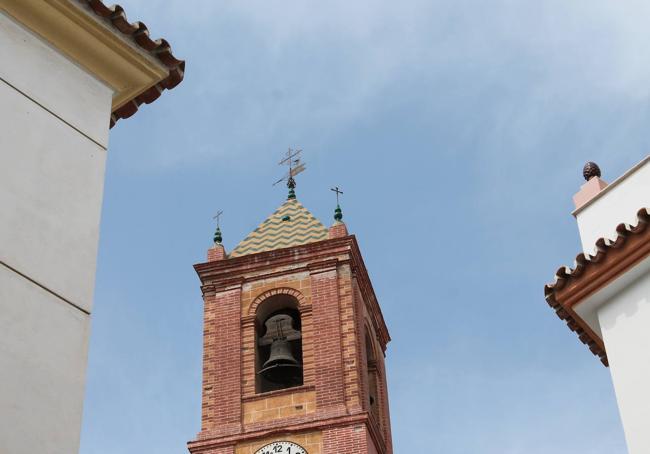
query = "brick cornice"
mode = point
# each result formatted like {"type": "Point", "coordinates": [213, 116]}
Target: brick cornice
{"type": "Point", "coordinates": [310, 252]}
{"type": "Point", "coordinates": [312, 255]}
{"type": "Point", "coordinates": [208, 290]}
{"type": "Point", "coordinates": [322, 266]}
{"type": "Point", "coordinates": [207, 444]}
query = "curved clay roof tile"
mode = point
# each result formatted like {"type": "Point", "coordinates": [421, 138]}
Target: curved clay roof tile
{"type": "Point", "coordinates": [159, 49]}
{"type": "Point", "coordinates": [586, 262]}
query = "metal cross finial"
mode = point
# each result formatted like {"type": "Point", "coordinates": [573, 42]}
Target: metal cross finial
{"type": "Point", "coordinates": [338, 191]}
{"type": "Point", "coordinates": [338, 213]}
{"type": "Point", "coordinates": [217, 216]}
{"type": "Point", "coordinates": [217, 234]}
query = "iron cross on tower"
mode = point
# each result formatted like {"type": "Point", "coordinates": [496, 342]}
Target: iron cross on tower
{"type": "Point", "coordinates": [291, 159]}
{"type": "Point", "coordinates": [338, 214]}
{"type": "Point", "coordinates": [217, 233]}
{"type": "Point", "coordinates": [338, 192]}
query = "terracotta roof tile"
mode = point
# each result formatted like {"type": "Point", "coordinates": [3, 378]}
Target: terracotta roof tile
{"type": "Point", "coordinates": [159, 49]}
{"type": "Point", "coordinates": [592, 272]}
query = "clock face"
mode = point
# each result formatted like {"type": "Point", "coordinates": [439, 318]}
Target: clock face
{"type": "Point", "coordinates": [282, 447]}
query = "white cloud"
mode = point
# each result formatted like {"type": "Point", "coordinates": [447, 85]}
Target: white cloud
{"type": "Point", "coordinates": [265, 73]}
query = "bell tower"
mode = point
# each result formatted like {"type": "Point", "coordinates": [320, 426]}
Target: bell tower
{"type": "Point", "coordinates": [294, 343]}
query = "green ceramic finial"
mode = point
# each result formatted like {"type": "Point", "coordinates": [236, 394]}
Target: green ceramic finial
{"type": "Point", "coordinates": [338, 214]}
{"type": "Point", "coordinates": [217, 236]}
{"type": "Point", "coordinates": [291, 184]}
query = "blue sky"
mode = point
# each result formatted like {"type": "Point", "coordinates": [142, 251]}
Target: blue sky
{"type": "Point", "coordinates": [457, 130]}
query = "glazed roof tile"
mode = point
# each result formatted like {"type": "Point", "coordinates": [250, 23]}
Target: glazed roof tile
{"type": "Point", "coordinates": [290, 225]}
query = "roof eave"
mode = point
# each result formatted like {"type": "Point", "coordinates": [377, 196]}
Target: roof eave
{"type": "Point", "coordinates": [102, 41]}
{"type": "Point", "coordinates": [591, 274]}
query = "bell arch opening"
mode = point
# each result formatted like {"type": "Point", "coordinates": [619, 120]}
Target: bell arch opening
{"type": "Point", "coordinates": [278, 344]}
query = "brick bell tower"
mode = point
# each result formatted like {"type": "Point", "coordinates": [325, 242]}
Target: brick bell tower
{"type": "Point", "coordinates": [294, 343]}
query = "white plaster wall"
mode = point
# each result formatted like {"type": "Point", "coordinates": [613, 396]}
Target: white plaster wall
{"type": "Point", "coordinates": [43, 74]}
{"type": "Point", "coordinates": [51, 185]}
{"type": "Point", "coordinates": [54, 121]}
{"type": "Point", "coordinates": [43, 343]}
{"type": "Point", "coordinates": [625, 326]}
{"type": "Point", "coordinates": [618, 203]}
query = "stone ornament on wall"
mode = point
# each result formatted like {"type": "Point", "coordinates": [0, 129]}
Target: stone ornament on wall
{"type": "Point", "coordinates": [282, 447]}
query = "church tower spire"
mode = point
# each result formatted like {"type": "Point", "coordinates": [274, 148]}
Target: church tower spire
{"type": "Point", "coordinates": [294, 343]}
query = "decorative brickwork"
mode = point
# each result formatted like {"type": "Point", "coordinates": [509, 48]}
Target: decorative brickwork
{"type": "Point", "coordinates": [277, 291]}
{"type": "Point", "coordinates": [327, 284]}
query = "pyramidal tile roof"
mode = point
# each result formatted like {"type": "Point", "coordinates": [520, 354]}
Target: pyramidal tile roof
{"type": "Point", "coordinates": [291, 225]}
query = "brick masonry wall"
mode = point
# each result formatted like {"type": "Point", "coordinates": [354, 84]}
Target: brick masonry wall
{"type": "Point", "coordinates": [349, 340]}
{"type": "Point", "coordinates": [330, 391]}
{"type": "Point", "coordinates": [222, 363]}
{"type": "Point", "coordinates": [384, 410]}
{"type": "Point", "coordinates": [312, 442]}
{"type": "Point", "coordinates": [221, 450]}
{"type": "Point", "coordinates": [361, 327]}
{"type": "Point", "coordinates": [346, 440]}
{"type": "Point", "coordinates": [338, 230]}
{"type": "Point", "coordinates": [382, 398]}
{"type": "Point", "coordinates": [217, 252]}
{"type": "Point", "coordinates": [278, 407]}
{"type": "Point", "coordinates": [335, 318]}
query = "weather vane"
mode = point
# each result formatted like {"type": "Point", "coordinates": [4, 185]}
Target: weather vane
{"type": "Point", "coordinates": [217, 233]}
{"type": "Point", "coordinates": [291, 159]}
{"type": "Point", "coordinates": [338, 213]}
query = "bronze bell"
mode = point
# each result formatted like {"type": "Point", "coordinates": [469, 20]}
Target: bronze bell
{"type": "Point", "coordinates": [281, 367]}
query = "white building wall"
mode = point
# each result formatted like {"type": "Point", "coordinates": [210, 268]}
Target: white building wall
{"type": "Point", "coordinates": [618, 203]}
{"type": "Point", "coordinates": [43, 343]}
{"type": "Point", "coordinates": [53, 81]}
{"type": "Point", "coordinates": [54, 121]}
{"type": "Point", "coordinates": [625, 325]}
